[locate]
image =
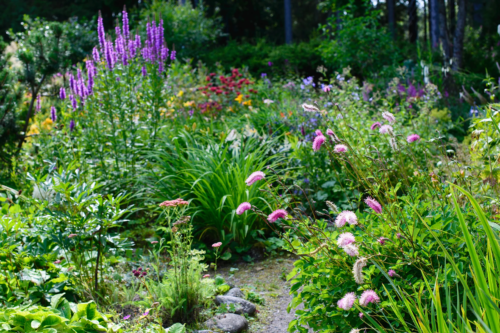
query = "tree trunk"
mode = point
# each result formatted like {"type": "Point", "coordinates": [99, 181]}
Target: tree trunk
{"type": "Point", "coordinates": [288, 21]}
{"type": "Point", "coordinates": [443, 31]}
{"type": "Point", "coordinates": [458, 42]}
{"type": "Point", "coordinates": [391, 14]}
{"type": "Point", "coordinates": [412, 21]}
{"type": "Point", "coordinates": [452, 16]}
{"type": "Point", "coordinates": [426, 21]}
{"type": "Point", "coordinates": [434, 22]}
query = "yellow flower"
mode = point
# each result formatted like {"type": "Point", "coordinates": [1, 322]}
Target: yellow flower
{"type": "Point", "coordinates": [249, 102]}
{"type": "Point", "coordinates": [180, 93]}
{"type": "Point", "coordinates": [239, 99]}
{"type": "Point", "coordinates": [188, 104]}
{"type": "Point", "coordinates": [47, 124]}
{"type": "Point", "coordinates": [33, 130]}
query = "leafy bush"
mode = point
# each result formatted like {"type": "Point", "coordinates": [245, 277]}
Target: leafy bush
{"type": "Point", "coordinates": [299, 58]}
{"type": "Point", "coordinates": [62, 316]}
{"type": "Point", "coordinates": [359, 43]}
{"type": "Point", "coordinates": [187, 29]}
{"type": "Point", "coordinates": [9, 95]}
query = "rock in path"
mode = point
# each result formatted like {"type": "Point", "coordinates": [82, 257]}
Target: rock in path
{"type": "Point", "coordinates": [241, 305]}
{"type": "Point", "coordinates": [228, 322]}
{"type": "Point", "coordinates": [235, 292]}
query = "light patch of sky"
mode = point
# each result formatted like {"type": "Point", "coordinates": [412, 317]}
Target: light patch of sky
{"type": "Point", "coordinates": [420, 3]}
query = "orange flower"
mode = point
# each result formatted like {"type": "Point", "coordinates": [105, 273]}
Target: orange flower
{"type": "Point", "coordinates": [282, 115]}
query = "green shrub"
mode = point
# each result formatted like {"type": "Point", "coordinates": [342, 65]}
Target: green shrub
{"type": "Point", "coordinates": [9, 96]}
{"type": "Point", "coordinates": [62, 317]}
{"type": "Point", "coordinates": [187, 29]}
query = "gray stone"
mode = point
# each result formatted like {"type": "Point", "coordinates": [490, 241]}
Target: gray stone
{"type": "Point", "coordinates": [228, 322]}
{"type": "Point", "coordinates": [241, 305]}
{"type": "Point", "coordinates": [235, 292]}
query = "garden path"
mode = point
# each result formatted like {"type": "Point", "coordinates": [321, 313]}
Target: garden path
{"type": "Point", "coordinates": [266, 277]}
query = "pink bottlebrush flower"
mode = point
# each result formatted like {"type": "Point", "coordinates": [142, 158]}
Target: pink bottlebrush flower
{"type": "Point", "coordinates": [257, 175]}
{"type": "Point", "coordinates": [375, 125]}
{"type": "Point", "coordinates": [206, 276]}
{"type": "Point", "coordinates": [174, 203]}
{"type": "Point", "coordinates": [72, 235]}
{"type": "Point", "coordinates": [277, 214]}
{"type": "Point", "coordinates": [218, 244]}
{"type": "Point", "coordinates": [127, 317]}
{"type": "Point", "coordinates": [154, 242]}
{"type": "Point", "coordinates": [326, 88]}
{"type": "Point", "coordinates": [347, 301]}
{"type": "Point", "coordinates": [368, 296]}
{"type": "Point", "coordinates": [243, 207]}
{"type": "Point", "coordinates": [361, 315]}
{"type": "Point", "coordinates": [389, 117]}
{"type": "Point", "coordinates": [318, 132]}
{"type": "Point", "coordinates": [346, 216]}
{"type": "Point", "coordinates": [340, 149]}
{"type": "Point", "coordinates": [382, 240]}
{"type": "Point", "coordinates": [318, 141]}
{"type": "Point", "coordinates": [309, 108]}
{"type": "Point", "coordinates": [412, 138]}
{"type": "Point", "coordinates": [57, 262]}
{"type": "Point", "coordinates": [351, 250]}
{"type": "Point", "coordinates": [345, 239]}
{"type": "Point", "coordinates": [374, 205]}
{"type": "Point", "coordinates": [392, 273]}
{"type": "Point", "coordinates": [386, 129]}
{"type": "Point", "coordinates": [398, 235]}
{"type": "Point", "coordinates": [330, 132]}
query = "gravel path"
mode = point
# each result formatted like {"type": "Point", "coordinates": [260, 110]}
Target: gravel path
{"type": "Point", "coordinates": [267, 278]}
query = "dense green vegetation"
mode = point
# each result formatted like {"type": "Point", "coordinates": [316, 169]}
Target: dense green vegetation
{"type": "Point", "coordinates": [136, 160]}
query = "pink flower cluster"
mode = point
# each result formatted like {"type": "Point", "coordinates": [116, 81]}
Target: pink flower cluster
{"type": "Point", "coordinates": [345, 239]}
{"type": "Point", "coordinates": [256, 176]}
{"type": "Point", "coordinates": [277, 214]}
{"type": "Point", "coordinates": [174, 203]}
{"type": "Point", "coordinates": [243, 207]}
{"type": "Point", "coordinates": [218, 244]}
{"type": "Point", "coordinates": [412, 138]}
{"type": "Point", "coordinates": [368, 296]}
{"type": "Point", "coordinates": [318, 141]}
{"type": "Point", "coordinates": [346, 216]}
{"type": "Point", "coordinates": [373, 204]}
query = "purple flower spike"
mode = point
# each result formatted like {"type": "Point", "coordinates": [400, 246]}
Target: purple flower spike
{"type": "Point", "coordinates": [172, 55]}
{"type": "Point", "coordinates": [53, 114]}
{"type": "Point", "coordinates": [100, 32]}
{"type": "Point", "coordinates": [144, 71]}
{"type": "Point", "coordinates": [95, 55]}
{"type": "Point", "coordinates": [126, 31]}
{"type": "Point", "coordinates": [71, 125]}
{"type": "Point", "coordinates": [62, 93]}
{"type": "Point", "coordinates": [38, 105]}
